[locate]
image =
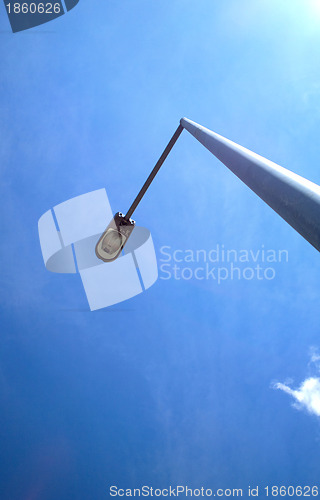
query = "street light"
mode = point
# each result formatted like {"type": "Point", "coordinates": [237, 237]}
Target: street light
{"type": "Point", "coordinates": [121, 226]}
{"type": "Point", "coordinates": [294, 198]}
{"type": "Point", "coordinates": [113, 239]}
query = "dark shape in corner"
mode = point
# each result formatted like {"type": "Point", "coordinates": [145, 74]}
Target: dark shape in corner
{"type": "Point", "coordinates": [25, 15]}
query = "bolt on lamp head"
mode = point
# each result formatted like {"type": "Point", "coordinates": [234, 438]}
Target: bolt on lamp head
{"type": "Point", "coordinates": [113, 239]}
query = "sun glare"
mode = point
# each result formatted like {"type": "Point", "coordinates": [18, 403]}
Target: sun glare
{"type": "Point", "coordinates": [315, 6]}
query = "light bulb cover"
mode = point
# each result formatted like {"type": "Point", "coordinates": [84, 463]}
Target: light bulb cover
{"type": "Point", "coordinates": [113, 239]}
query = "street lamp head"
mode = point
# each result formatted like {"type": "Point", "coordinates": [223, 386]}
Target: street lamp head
{"type": "Point", "coordinates": [114, 238]}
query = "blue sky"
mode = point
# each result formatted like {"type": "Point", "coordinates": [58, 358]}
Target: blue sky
{"type": "Point", "coordinates": [174, 386]}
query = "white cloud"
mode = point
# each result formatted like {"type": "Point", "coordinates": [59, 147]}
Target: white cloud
{"type": "Point", "coordinates": [315, 357]}
{"type": "Point", "coordinates": [307, 395]}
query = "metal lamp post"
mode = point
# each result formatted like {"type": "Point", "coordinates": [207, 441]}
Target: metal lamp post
{"type": "Point", "coordinates": [294, 198]}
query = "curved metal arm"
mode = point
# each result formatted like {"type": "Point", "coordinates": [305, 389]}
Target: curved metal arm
{"type": "Point", "coordinates": [154, 172]}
